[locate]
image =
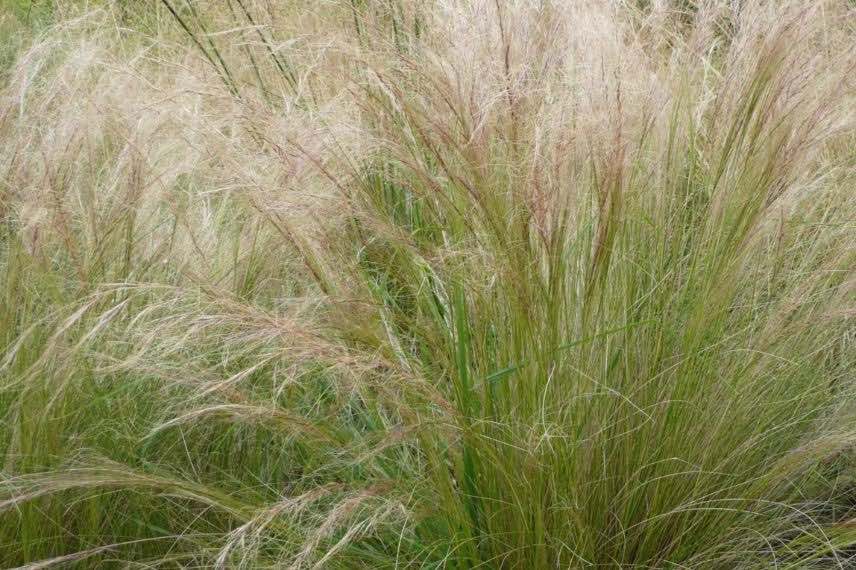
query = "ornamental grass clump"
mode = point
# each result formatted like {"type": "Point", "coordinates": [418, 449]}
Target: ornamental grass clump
{"type": "Point", "coordinates": [460, 284]}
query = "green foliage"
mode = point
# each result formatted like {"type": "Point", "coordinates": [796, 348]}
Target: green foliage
{"type": "Point", "coordinates": [425, 294]}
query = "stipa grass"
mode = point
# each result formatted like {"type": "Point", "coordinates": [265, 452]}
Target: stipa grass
{"type": "Point", "coordinates": [459, 284]}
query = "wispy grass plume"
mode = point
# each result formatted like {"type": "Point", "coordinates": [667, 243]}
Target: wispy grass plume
{"type": "Point", "coordinates": [463, 284]}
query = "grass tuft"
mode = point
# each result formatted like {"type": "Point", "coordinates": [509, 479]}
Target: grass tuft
{"type": "Point", "coordinates": [466, 284]}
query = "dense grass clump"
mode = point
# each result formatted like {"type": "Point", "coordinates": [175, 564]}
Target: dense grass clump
{"type": "Point", "coordinates": [443, 284]}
